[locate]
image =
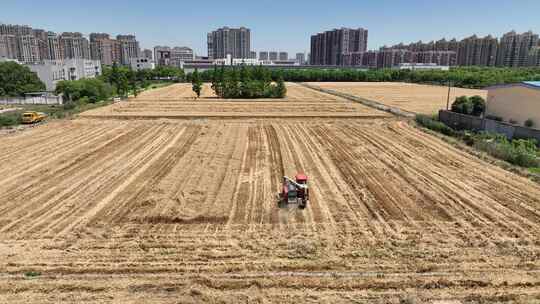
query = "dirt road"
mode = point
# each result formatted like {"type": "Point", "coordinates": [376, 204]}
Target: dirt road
{"type": "Point", "coordinates": [168, 210]}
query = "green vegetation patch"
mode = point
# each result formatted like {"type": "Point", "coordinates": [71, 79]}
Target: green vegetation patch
{"type": "Point", "coordinates": [32, 274]}
{"type": "Point", "coordinates": [16, 80]}
{"type": "Point", "coordinates": [519, 152]}
{"type": "Point", "coordinates": [463, 77]}
{"type": "Point", "coordinates": [435, 125]}
{"type": "Point", "coordinates": [244, 82]}
{"type": "Point", "coordinates": [535, 170]}
{"type": "Point", "coordinates": [10, 119]}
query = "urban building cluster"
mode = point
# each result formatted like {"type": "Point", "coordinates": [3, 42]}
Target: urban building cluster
{"type": "Point", "coordinates": [28, 45]}
{"type": "Point", "coordinates": [348, 47]}
{"type": "Point", "coordinates": [69, 55]}
{"type": "Point", "coordinates": [109, 51]}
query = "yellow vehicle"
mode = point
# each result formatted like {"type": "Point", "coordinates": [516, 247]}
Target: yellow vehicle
{"type": "Point", "coordinates": [33, 117]}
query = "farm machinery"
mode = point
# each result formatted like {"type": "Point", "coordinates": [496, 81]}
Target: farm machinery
{"type": "Point", "coordinates": [294, 192]}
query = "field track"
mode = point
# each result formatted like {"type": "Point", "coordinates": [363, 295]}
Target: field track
{"type": "Point", "coordinates": [167, 210]}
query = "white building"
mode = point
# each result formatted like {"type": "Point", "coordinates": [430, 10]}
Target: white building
{"type": "Point", "coordinates": [138, 64]}
{"type": "Point", "coordinates": [422, 66]}
{"type": "Point", "coordinates": [53, 71]}
{"type": "Point", "coordinates": [4, 59]}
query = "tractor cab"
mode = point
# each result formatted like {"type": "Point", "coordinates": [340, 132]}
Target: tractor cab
{"type": "Point", "coordinates": [301, 179]}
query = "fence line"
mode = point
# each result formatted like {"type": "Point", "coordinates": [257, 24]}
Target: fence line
{"type": "Point", "coordinates": [32, 100]}
{"type": "Point", "coordinates": [467, 122]}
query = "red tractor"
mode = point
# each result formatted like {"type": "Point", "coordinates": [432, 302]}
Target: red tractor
{"type": "Point", "coordinates": [294, 192]}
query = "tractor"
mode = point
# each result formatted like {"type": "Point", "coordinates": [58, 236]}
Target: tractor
{"type": "Point", "coordinates": [294, 192]}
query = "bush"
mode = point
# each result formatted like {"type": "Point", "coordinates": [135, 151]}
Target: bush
{"type": "Point", "coordinates": [434, 125]}
{"type": "Point", "coordinates": [10, 119]}
{"type": "Point", "coordinates": [89, 90]}
{"type": "Point", "coordinates": [519, 152]}
{"type": "Point", "coordinates": [475, 105]}
{"type": "Point", "coordinates": [69, 106]}
{"type": "Point", "coordinates": [529, 123]}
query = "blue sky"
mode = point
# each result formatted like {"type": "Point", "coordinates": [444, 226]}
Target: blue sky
{"type": "Point", "coordinates": [276, 25]}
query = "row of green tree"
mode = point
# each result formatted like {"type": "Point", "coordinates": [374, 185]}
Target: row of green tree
{"type": "Point", "coordinates": [16, 80]}
{"type": "Point", "coordinates": [116, 81]}
{"type": "Point", "coordinates": [465, 77]}
{"type": "Point", "coordinates": [245, 82]}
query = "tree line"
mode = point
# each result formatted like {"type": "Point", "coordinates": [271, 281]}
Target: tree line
{"type": "Point", "coordinates": [16, 80]}
{"type": "Point", "coordinates": [116, 81]}
{"type": "Point", "coordinates": [464, 77]}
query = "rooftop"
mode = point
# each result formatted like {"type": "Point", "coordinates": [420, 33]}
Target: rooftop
{"type": "Point", "coordinates": [533, 83]}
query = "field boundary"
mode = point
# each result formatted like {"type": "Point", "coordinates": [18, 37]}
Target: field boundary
{"type": "Point", "coordinates": [367, 102]}
{"type": "Point", "coordinates": [229, 117]}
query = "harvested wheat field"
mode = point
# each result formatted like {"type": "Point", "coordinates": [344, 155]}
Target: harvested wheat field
{"type": "Point", "coordinates": [416, 98]}
{"type": "Point", "coordinates": [178, 102]}
{"type": "Point", "coordinates": [185, 211]}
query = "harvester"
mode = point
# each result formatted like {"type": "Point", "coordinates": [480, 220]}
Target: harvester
{"type": "Point", "coordinates": [294, 192]}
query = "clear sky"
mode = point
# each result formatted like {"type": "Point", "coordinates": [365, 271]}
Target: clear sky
{"type": "Point", "coordinates": [276, 24]}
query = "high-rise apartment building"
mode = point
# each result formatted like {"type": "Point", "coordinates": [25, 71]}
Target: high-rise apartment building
{"type": "Point", "coordinates": [105, 49]}
{"type": "Point", "coordinates": [534, 57]}
{"type": "Point", "coordinates": [273, 56]}
{"type": "Point", "coordinates": [109, 51]}
{"type": "Point", "coordinates": [235, 42]}
{"type": "Point", "coordinates": [514, 48]}
{"type": "Point", "coordinates": [329, 47]}
{"type": "Point", "coordinates": [75, 46]}
{"type": "Point", "coordinates": [478, 51]}
{"type": "Point", "coordinates": [55, 47]}
{"type": "Point", "coordinates": [129, 47]}
{"type": "Point", "coordinates": [283, 56]}
{"type": "Point", "coordinates": [252, 55]}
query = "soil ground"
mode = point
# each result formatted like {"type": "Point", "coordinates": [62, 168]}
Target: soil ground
{"type": "Point", "coordinates": [115, 210]}
{"type": "Point", "coordinates": [422, 99]}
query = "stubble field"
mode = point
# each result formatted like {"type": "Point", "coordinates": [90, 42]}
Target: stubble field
{"type": "Point", "coordinates": [179, 102]}
{"type": "Point", "coordinates": [184, 211]}
{"type": "Point", "coordinates": [416, 98]}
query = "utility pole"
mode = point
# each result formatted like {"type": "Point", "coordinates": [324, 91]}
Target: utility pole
{"type": "Point", "coordinates": [448, 99]}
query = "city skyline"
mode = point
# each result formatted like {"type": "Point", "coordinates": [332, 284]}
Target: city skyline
{"type": "Point", "coordinates": [185, 25]}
